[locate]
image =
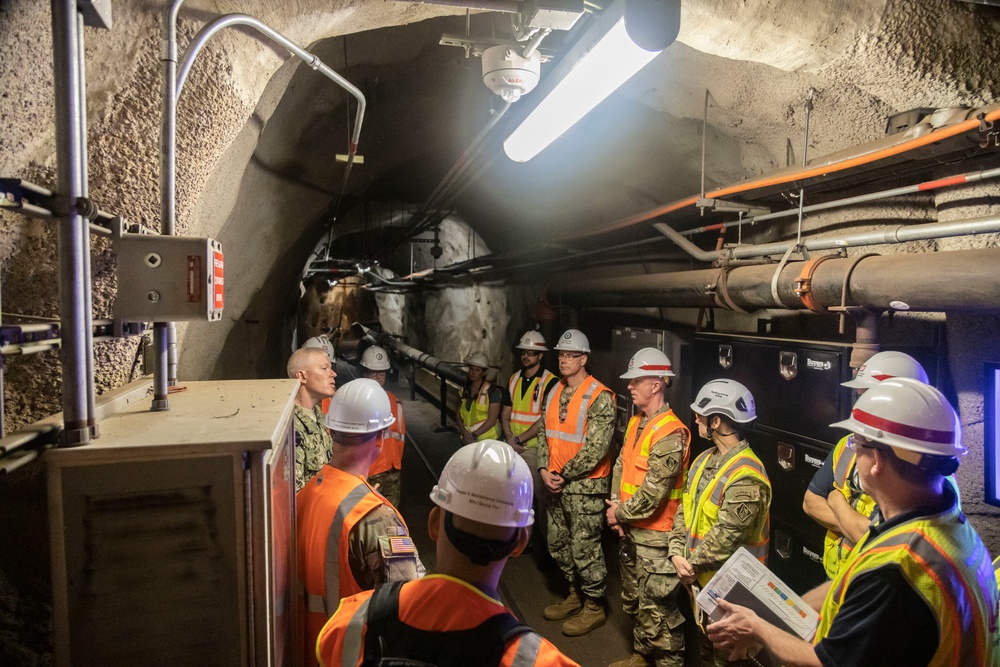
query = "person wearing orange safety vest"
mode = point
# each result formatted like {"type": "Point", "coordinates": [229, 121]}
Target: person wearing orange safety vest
{"type": "Point", "coordinates": [646, 490]}
{"type": "Point", "coordinates": [727, 497]}
{"type": "Point", "coordinates": [834, 498]}
{"type": "Point", "coordinates": [918, 588]}
{"type": "Point", "coordinates": [349, 538]}
{"type": "Point", "coordinates": [454, 618]}
{"type": "Point", "coordinates": [385, 471]}
{"type": "Point", "coordinates": [521, 412]}
{"type": "Point", "coordinates": [478, 414]}
{"type": "Point", "coordinates": [574, 464]}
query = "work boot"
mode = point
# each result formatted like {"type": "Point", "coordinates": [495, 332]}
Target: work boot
{"type": "Point", "coordinates": [634, 660]}
{"type": "Point", "coordinates": [590, 618]}
{"type": "Point", "coordinates": [560, 610]}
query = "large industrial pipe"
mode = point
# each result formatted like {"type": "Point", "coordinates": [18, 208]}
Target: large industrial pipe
{"type": "Point", "coordinates": [957, 281]}
{"type": "Point", "coordinates": [445, 369]}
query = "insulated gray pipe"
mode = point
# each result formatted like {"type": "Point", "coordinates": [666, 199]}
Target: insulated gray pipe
{"type": "Point", "coordinates": [444, 369]}
{"type": "Point", "coordinates": [898, 234]}
{"type": "Point", "coordinates": [73, 228]}
{"type": "Point", "coordinates": [956, 281]}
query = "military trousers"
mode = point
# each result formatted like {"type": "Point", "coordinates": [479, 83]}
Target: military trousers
{"type": "Point", "coordinates": [649, 595]}
{"type": "Point", "coordinates": [575, 524]}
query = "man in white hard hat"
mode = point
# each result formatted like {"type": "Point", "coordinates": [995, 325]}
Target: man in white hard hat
{"type": "Point", "coordinates": [727, 496]}
{"type": "Point", "coordinates": [834, 498]}
{"type": "Point", "coordinates": [646, 490]}
{"type": "Point", "coordinates": [385, 471]}
{"type": "Point", "coordinates": [575, 466]}
{"type": "Point", "coordinates": [453, 618]}
{"type": "Point", "coordinates": [918, 588]}
{"type": "Point", "coordinates": [311, 367]}
{"type": "Point", "coordinates": [349, 538]}
{"type": "Point", "coordinates": [521, 413]}
{"type": "Point", "coordinates": [478, 413]}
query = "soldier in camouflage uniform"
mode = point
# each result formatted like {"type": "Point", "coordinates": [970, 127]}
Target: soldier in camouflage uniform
{"type": "Point", "coordinates": [313, 445]}
{"type": "Point", "coordinates": [727, 482]}
{"type": "Point", "coordinates": [574, 465]}
{"type": "Point", "coordinates": [646, 489]}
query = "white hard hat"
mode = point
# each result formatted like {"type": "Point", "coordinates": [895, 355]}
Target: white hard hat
{"type": "Point", "coordinates": [478, 359]}
{"type": "Point", "coordinates": [487, 482]}
{"type": "Point", "coordinates": [885, 365]}
{"type": "Point", "coordinates": [322, 343]}
{"type": "Point", "coordinates": [908, 414]}
{"type": "Point", "coordinates": [573, 340]}
{"type": "Point", "coordinates": [726, 397]}
{"type": "Point", "coordinates": [648, 361]}
{"type": "Point", "coordinates": [532, 340]}
{"type": "Point", "coordinates": [375, 359]}
{"type": "Point", "coordinates": [360, 406]}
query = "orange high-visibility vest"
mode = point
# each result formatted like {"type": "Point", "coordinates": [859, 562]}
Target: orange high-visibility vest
{"type": "Point", "coordinates": [635, 465]}
{"type": "Point", "coordinates": [526, 407]}
{"type": "Point", "coordinates": [327, 508]}
{"type": "Point", "coordinates": [436, 603]}
{"type": "Point", "coordinates": [391, 456]}
{"type": "Point", "coordinates": [565, 438]}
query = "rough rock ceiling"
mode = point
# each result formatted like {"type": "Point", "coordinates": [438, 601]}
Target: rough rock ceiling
{"type": "Point", "coordinates": [642, 147]}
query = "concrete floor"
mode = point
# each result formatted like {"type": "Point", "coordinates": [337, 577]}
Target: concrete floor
{"type": "Point", "coordinates": [530, 582]}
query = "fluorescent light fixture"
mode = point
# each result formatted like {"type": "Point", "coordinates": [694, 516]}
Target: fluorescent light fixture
{"type": "Point", "coordinates": [597, 74]}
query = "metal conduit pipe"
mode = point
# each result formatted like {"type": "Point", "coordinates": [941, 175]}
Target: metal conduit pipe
{"type": "Point", "coordinates": [898, 234]}
{"type": "Point", "coordinates": [503, 6]}
{"type": "Point", "coordinates": [165, 334]}
{"type": "Point", "coordinates": [444, 369]}
{"type": "Point", "coordinates": [955, 281]}
{"type": "Point", "coordinates": [926, 186]}
{"type": "Point", "coordinates": [73, 228]}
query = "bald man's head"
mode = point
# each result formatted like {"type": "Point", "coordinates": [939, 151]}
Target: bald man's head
{"type": "Point", "coordinates": [301, 359]}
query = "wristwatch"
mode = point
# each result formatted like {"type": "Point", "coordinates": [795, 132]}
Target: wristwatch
{"type": "Point", "coordinates": [517, 440]}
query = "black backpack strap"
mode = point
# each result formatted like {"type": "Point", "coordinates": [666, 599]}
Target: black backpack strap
{"type": "Point", "coordinates": [383, 614]}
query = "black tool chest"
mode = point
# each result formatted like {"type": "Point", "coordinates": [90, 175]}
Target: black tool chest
{"type": "Point", "coordinates": [797, 388]}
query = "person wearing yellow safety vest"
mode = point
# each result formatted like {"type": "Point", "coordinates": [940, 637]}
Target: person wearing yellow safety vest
{"type": "Point", "coordinates": [521, 412]}
{"type": "Point", "coordinates": [478, 414]}
{"type": "Point", "coordinates": [646, 489]}
{"type": "Point", "coordinates": [575, 466]}
{"type": "Point", "coordinates": [727, 497]}
{"type": "Point", "coordinates": [453, 618]}
{"type": "Point", "coordinates": [919, 588]}
{"type": "Point", "coordinates": [834, 498]}
{"type": "Point", "coordinates": [385, 471]}
{"type": "Point", "coordinates": [348, 537]}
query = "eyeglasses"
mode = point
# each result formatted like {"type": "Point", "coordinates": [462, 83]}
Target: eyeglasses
{"type": "Point", "coordinates": [529, 353]}
{"type": "Point", "coordinates": [570, 355]}
{"type": "Point", "coordinates": [854, 441]}
{"type": "Point", "coordinates": [377, 373]}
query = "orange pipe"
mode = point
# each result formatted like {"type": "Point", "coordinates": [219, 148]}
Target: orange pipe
{"type": "Point", "coordinates": [904, 147]}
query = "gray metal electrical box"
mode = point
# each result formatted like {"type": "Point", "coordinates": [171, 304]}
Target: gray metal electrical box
{"type": "Point", "coordinates": [168, 278]}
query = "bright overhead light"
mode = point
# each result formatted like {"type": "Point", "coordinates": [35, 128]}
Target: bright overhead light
{"type": "Point", "coordinates": [597, 74]}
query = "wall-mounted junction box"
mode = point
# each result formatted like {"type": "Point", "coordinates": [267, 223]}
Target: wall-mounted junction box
{"type": "Point", "coordinates": [168, 278]}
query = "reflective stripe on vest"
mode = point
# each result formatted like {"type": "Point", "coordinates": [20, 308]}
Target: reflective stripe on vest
{"type": "Point", "coordinates": [996, 570]}
{"type": "Point", "coordinates": [391, 456]}
{"type": "Point", "coordinates": [476, 415]}
{"type": "Point", "coordinates": [526, 407]}
{"type": "Point", "coordinates": [565, 438]}
{"type": "Point", "coordinates": [328, 507]}
{"type": "Point", "coordinates": [702, 512]}
{"type": "Point", "coordinates": [836, 547]}
{"type": "Point", "coordinates": [946, 563]}
{"type": "Point", "coordinates": [635, 464]}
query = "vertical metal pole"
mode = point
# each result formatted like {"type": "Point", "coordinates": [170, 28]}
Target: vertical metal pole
{"type": "Point", "coordinates": [163, 332]}
{"type": "Point", "coordinates": [704, 141]}
{"type": "Point", "coordinates": [88, 298]}
{"type": "Point", "coordinates": [444, 403]}
{"type": "Point", "coordinates": [73, 229]}
{"type": "Point", "coordinates": [805, 161]}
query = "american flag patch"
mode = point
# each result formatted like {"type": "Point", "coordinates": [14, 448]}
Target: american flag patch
{"type": "Point", "coordinates": [401, 545]}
